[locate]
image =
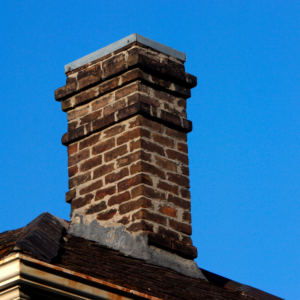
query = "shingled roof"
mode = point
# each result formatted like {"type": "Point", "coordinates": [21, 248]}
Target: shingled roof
{"type": "Point", "coordinates": [46, 239]}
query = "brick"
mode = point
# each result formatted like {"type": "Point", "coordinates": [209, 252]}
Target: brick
{"type": "Point", "coordinates": [114, 131]}
{"type": "Point", "coordinates": [133, 181]}
{"type": "Point", "coordinates": [179, 202]}
{"type": "Point", "coordinates": [169, 211]}
{"type": "Point", "coordinates": [94, 186]}
{"type": "Point", "coordinates": [89, 80]}
{"type": "Point", "coordinates": [174, 110]}
{"type": "Point", "coordinates": [187, 217]}
{"type": "Point", "coordinates": [118, 199]}
{"type": "Point", "coordinates": [96, 208]}
{"type": "Point", "coordinates": [104, 146]}
{"type": "Point", "coordinates": [166, 164]}
{"type": "Point", "coordinates": [112, 61]}
{"type": "Point", "coordinates": [181, 103]}
{"type": "Point", "coordinates": [184, 250]}
{"type": "Point", "coordinates": [132, 75]}
{"type": "Point", "coordinates": [73, 171]}
{"type": "Point", "coordinates": [137, 97]}
{"type": "Point", "coordinates": [106, 215]}
{"type": "Point", "coordinates": [73, 114]}
{"type": "Point", "coordinates": [102, 170]}
{"type": "Point", "coordinates": [146, 191]}
{"type": "Point", "coordinates": [73, 135]}
{"type": "Point", "coordinates": [72, 149]}
{"type": "Point", "coordinates": [100, 194]}
{"type": "Point", "coordinates": [80, 179]}
{"type": "Point", "coordinates": [169, 233]}
{"type": "Point", "coordinates": [123, 92]}
{"type": "Point", "coordinates": [94, 70]}
{"type": "Point", "coordinates": [171, 118]}
{"type": "Point", "coordinates": [82, 201]}
{"type": "Point", "coordinates": [185, 170]}
{"type": "Point", "coordinates": [142, 166]}
{"type": "Point", "coordinates": [182, 147]}
{"type": "Point", "coordinates": [90, 141]}
{"type": "Point", "coordinates": [99, 103]}
{"type": "Point", "coordinates": [168, 142]}
{"type": "Point", "coordinates": [76, 158]}
{"type": "Point", "coordinates": [179, 179]}
{"type": "Point", "coordinates": [146, 145]}
{"type": "Point", "coordinates": [168, 187]}
{"type": "Point", "coordinates": [136, 204]}
{"type": "Point", "coordinates": [185, 193]}
{"type": "Point", "coordinates": [142, 121]}
{"type": "Point", "coordinates": [133, 134]}
{"type": "Point", "coordinates": [177, 156]}
{"type": "Point", "coordinates": [70, 195]}
{"type": "Point", "coordinates": [91, 117]}
{"type": "Point", "coordinates": [182, 227]}
{"type": "Point", "coordinates": [159, 240]}
{"type": "Point", "coordinates": [186, 240]}
{"type": "Point", "coordinates": [129, 159]}
{"type": "Point", "coordinates": [142, 225]}
{"type": "Point", "coordinates": [91, 163]}
{"type": "Point", "coordinates": [65, 91]}
{"type": "Point", "coordinates": [113, 177]}
{"type": "Point", "coordinates": [164, 96]}
{"type": "Point", "coordinates": [108, 85]}
{"type": "Point", "coordinates": [150, 216]}
{"type": "Point", "coordinates": [115, 153]}
{"type": "Point", "coordinates": [125, 220]}
{"type": "Point", "coordinates": [114, 107]}
{"type": "Point", "coordinates": [99, 124]}
{"type": "Point", "coordinates": [85, 96]}
{"type": "Point", "coordinates": [176, 134]}
{"type": "Point", "coordinates": [115, 69]}
{"type": "Point", "coordinates": [72, 125]}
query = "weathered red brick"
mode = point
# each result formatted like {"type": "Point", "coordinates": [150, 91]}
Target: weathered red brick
{"type": "Point", "coordinates": [70, 195]}
{"type": "Point", "coordinates": [142, 225]}
{"type": "Point", "coordinates": [187, 217]}
{"type": "Point", "coordinates": [91, 163]}
{"type": "Point", "coordinates": [91, 117]}
{"type": "Point", "coordinates": [113, 177]}
{"type": "Point", "coordinates": [179, 202]}
{"type": "Point", "coordinates": [133, 134]}
{"type": "Point", "coordinates": [142, 166]}
{"type": "Point", "coordinates": [182, 147]}
{"type": "Point", "coordinates": [118, 199]}
{"type": "Point", "coordinates": [185, 170]}
{"type": "Point", "coordinates": [166, 164]}
{"type": "Point", "coordinates": [136, 204]}
{"type": "Point", "coordinates": [104, 146]}
{"type": "Point", "coordinates": [115, 153]}
{"type": "Point", "coordinates": [168, 187]}
{"type": "Point", "coordinates": [150, 216]}
{"type": "Point", "coordinates": [72, 125]}
{"type": "Point", "coordinates": [133, 181]}
{"type": "Point", "coordinates": [79, 112]}
{"type": "Point", "coordinates": [94, 186]}
{"type": "Point", "coordinates": [90, 141]}
{"type": "Point", "coordinates": [185, 193]}
{"type": "Point", "coordinates": [85, 96]}
{"type": "Point", "coordinates": [146, 145]}
{"type": "Point", "coordinates": [184, 250]}
{"type": "Point", "coordinates": [170, 233]}
{"type": "Point", "coordinates": [102, 170]}
{"type": "Point", "coordinates": [132, 157]}
{"type": "Point", "coordinates": [167, 210]}
{"type": "Point", "coordinates": [106, 215]}
{"type": "Point", "coordinates": [82, 201]}
{"type": "Point", "coordinates": [125, 220]}
{"type": "Point", "coordinates": [114, 107]}
{"type": "Point", "coordinates": [123, 92]}
{"type": "Point", "coordinates": [179, 179]}
{"type": "Point", "coordinates": [73, 171]}
{"type": "Point", "coordinates": [142, 121]}
{"type": "Point", "coordinates": [101, 102]}
{"type": "Point", "coordinates": [96, 208]}
{"type": "Point", "coordinates": [76, 158]}
{"type": "Point", "coordinates": [80, 179]}
{"type": "Point", "coordinates": [163, 140]}
{"type": "Point", "coordinates": [177, 156]}
{"type": "Point", "coordinates": [159, 240]}
{"type": "Point", "coordinates": [182, 227]}
{"type": "Point", "coordinates": [176, 134]}
{"type": "Point", "coordinates": [100, 194]}
{"type": "Point", "coordinates": [146, 191]}
{"type": "Point", "coordinates": [114, 130]}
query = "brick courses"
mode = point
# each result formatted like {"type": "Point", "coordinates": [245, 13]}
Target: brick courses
{"type": "Point", "coordinates": [127, 145]}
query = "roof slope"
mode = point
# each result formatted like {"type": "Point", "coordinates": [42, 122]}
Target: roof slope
{"type": "Point", "coordinates": [89, 258]}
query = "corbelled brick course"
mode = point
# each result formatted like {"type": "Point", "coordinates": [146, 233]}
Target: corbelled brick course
{"type": "Point", "coordinates": [127, 145]}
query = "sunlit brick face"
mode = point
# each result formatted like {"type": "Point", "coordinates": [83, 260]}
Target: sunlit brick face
{"type": "Point", "coordinates": [127, 145]}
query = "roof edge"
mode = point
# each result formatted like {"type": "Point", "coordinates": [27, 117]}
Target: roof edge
{"type": "Point", "coordinates": [120, 44]}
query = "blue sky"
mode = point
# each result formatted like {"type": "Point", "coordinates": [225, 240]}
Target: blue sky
{"type": "Point", "coordinates": [245, 147]}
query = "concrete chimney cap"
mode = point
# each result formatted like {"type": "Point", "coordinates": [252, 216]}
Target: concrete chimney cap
{"type": "Point", "coordinates": [122, 43]}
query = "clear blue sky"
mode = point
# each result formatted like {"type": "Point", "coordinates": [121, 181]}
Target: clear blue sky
{"type": "Point", "coordinates": [245, 147]}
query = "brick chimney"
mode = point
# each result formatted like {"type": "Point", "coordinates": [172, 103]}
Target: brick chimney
{"type": "Point", "coordinates": [127, 151]}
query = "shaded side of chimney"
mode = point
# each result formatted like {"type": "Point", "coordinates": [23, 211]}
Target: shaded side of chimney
{"type": "Point", "coordinates": [128, 156]}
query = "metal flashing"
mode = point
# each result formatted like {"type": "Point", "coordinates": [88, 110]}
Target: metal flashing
{"type": "Point", "coordinates": [120, 44]}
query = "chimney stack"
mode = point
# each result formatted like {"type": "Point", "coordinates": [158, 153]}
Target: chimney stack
{"type": "Point", "coordinates": [127, 151]}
